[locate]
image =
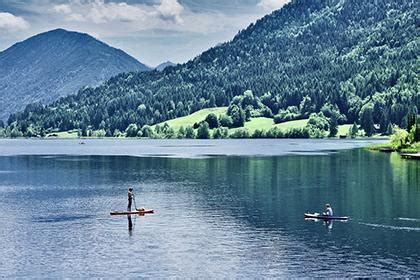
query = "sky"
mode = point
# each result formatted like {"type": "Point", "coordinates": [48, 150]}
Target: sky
{"type": "Point", "coordinates": [153, 31]}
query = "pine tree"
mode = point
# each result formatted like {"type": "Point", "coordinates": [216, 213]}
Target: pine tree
{"type": "Point", "coordinates": [203, 131]}
{"type": "Point", "coordinates": [366, 120]}
{"type": "Point", "coordinates": [189, 132]}
{"type": "Point", "coordinates": [333, 126]}
{"type": "Point", "coordinates": [353, 130]}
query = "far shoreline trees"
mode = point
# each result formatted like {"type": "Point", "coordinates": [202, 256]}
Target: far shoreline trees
{"type": "Point", "coordinates": [242, 109]}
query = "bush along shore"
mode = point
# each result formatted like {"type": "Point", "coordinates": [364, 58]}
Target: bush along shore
{"type": "Point", "coordinates": [403, 140]}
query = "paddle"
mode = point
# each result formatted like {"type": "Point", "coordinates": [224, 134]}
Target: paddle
{"type": "Point", "coordinates": [135, 206]}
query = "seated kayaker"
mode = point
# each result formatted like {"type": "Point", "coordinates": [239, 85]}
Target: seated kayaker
{"type": "Point", "coordinates": [130, 198]}
{"type": "Point", "coordinates": [328, 210]}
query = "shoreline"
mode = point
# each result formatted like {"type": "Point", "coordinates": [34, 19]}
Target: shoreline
{"type": "Point", "coordinates": [378, 138]}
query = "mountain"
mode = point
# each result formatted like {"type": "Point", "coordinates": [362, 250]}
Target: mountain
{"type": "Point", "coordinates": [54, 64]}
{"type": "Point", "coordinates": [163, 65]}
{"type": "Point", "coordinates": [353, 56]}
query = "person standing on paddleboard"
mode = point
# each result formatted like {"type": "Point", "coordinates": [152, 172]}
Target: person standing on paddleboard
{"type": "Point", "coordinates": [328, 210]}
{"type": "Point", "coordinates": [130, 198]}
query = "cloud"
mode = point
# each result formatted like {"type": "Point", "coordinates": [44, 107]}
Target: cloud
{"type": "Point", "coordinates": [270, 5]}
{"type": "Point", "coordinates": [63, 9]}
{"type": "Point", "coordinates": [10, 22]}
{"type": "Point", "coordinates": [125, 18]}
{"type": "Point", "coordinates": [170, 9]}
{"type": "Point", "coordinates": [99, 11]}
{"type": "Point", "coordinates": [113, 19]}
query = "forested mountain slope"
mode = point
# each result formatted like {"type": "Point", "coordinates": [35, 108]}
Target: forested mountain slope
{"type": "Point", "coordinates": [361, 56]}
{"type": "Point", "coordinates": [55, 64]}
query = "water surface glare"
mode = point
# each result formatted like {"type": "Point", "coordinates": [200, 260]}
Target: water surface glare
{"type": "Point", "coordinates": [216, 216]}
{"type": "Point", "coordinates": [176, 148]}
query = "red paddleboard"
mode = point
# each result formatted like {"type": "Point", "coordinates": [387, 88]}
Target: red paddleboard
{"type": "Point", "coordinates": [137, 212]}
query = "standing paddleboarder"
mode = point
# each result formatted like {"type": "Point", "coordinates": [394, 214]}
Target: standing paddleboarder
{"type": "Point", "coordinates": [130, 198]}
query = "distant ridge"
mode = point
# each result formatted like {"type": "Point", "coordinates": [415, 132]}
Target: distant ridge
{"type": "Point", "coordinates": [55, 64]}
{"type": "Point", "coordinates": [163, 65]}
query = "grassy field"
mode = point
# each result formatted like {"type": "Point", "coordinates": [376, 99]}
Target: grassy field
{"type": "Point", "coordinates": [252, 125]}
{"type": "Point", "coordinates": [194, 117]}
{"type": "Point", "coordinates": [343, 129]}
{"type": "Point", "coordinates": [267, 123]}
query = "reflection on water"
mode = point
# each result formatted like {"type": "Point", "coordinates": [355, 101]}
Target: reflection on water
{"type": "Point", "coordinates": [60, 218]}
{"type": "Point", "coordinates": [177, 148]}
{"type": "Point", "coordinates": [130, 225]}
{"type": "Point", "coordinates": [216, 217]}
{"type": "Point", "coordinates": [329, 225]}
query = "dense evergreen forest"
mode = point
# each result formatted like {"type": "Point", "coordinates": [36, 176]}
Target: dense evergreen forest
{"type": "Point", "coordinates": [356, 58]}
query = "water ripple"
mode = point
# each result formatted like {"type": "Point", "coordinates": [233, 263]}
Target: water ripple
{"type": "Point", "coordinates": [409, 219]}
{"type": "Point", "coordinates": [391, 227]}
{"type": "Point", "coordinates": [61, 218]}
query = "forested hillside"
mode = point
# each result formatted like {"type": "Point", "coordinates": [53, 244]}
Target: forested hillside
{"type": "Point", "coordinates": [358, 57]}
{"type": "Point", "coordinates": [55, 64]}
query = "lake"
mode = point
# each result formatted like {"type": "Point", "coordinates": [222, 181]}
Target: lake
{"type": "Point", "coordinates": [228, 208]}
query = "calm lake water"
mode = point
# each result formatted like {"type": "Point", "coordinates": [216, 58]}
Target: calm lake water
{"type": "Point", "coordinates": [216, 216]}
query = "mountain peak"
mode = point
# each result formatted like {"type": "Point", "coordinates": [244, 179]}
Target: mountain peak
{"type": "Point", "coordinates": [60, 30]}
{"type": "Point", "coordinates": [57, 63]}
{"type": "Point", "coordinates": [61, 33]}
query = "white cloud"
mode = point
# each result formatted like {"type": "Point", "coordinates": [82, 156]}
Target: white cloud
{"type": "Point", "coordinates": [170, 9]}
{"type": "Point", "coordinates": [10, 22]}
{"type": "Point", "coordinates": [270, 5]}
{"type": "Point", "coordinates": [113, 19]}
{"type": "Point", "coordinates": [63, 9]}
{"type": "Point", "coordinates": [99, 11]}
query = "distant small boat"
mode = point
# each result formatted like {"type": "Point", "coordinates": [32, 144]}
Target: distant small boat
{"type": "Point", "coordinates": [82, 143]}
{"type": "Point", "coordinates": [137, 212]}
{"type": "Point", "coordinates": [386, 150]}
{"type": "Point", "coordinates": [324, 217]}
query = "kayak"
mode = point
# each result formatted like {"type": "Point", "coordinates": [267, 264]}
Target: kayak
{"type": "Point", "coordinates": [324, 217]}
{"type": "Point", "coordinates": [137, 212]}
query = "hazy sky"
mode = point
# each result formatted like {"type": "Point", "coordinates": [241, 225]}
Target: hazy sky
{"type": "Point", "coordinates": [153, 31]}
